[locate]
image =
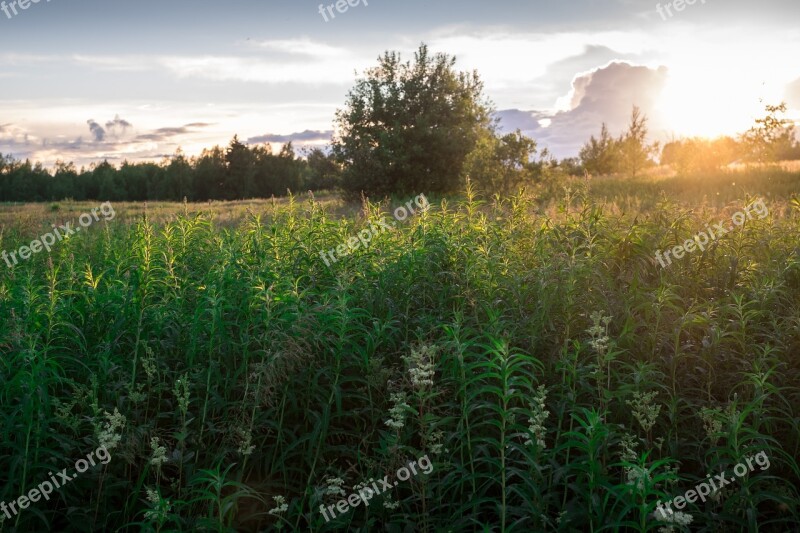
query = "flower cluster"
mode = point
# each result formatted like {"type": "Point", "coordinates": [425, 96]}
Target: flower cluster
{"type": "Point", "coordinates": [280, 505]}
{"type": "Point", "coordinates": [599, 333]}
{"type": "Point", "coordinates": [159, 456]}
{"type": "Point", "coordinates": [538, 416]}
{"type": "Point", "coordinates": [110, 433]}
{"type": "Point", "coordinates": [421, 366]}
{"type": "Point", "coordinates": [398, 410]}
{"type": "Point", "coordinates": [644, 410]}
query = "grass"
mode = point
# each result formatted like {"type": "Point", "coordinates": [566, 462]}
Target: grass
{"type": "Point", "coordinates": [575, 382]}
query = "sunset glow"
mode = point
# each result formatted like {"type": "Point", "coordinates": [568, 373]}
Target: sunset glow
{"type": "Point", "coordinates": [281, 71]}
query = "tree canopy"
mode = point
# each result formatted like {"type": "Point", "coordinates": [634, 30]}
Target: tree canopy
{"type": "Point", "coordinates": [232, 173]}
{"type": "Point", "coordinates": [409, 127]}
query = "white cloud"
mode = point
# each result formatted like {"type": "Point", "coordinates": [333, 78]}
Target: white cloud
{"type": "Point", "coordinates": [305, 47]}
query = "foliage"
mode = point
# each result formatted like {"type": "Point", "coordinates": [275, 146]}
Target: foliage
{"type": "Point", "coordinates": [635, 154]}
{"type": "Point", "coordinates": [629, 154]}
{"type": "Point", "coordinates": [601, 156]}
{"type": "Point", "coordinates": [696, 155]}
{"type": "Point", "coordinates": [771, 138]}
{"type": "Point", "coordinates": [236, 172]}
{"type": "Point", "coordinates": [408, 127]}
{"type": "Point", "coordinates": [556, 376]}
{"type": "Point", "coordinates": [323, 171]}
{"type": "Point", "coordinates": [504, 164]}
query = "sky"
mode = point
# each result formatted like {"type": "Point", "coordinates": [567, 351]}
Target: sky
{"type": "Point", "coordinates": [88, 80]}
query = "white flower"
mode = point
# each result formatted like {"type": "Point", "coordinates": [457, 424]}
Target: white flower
{"type": "Point", "coordinates": [637, 476]}
{"type": "Point", "coordinates": [159, 456]}
{"type": "Point", "coordinates": [398, 410]}
{"type": "Point", "coordinates": [643, 409]}
{"type": "Point", "coordinates": [538, 416]}
{"type": "Point", "coordinates": [334, 487]}
{"type": "Point", "coordinates": [110, 432]}
{"type": "Point", "coordinates": [280, 505]}
{"type": "Point", "coordinates": [160, 506]}
{"type": "Point", "coordinates": [390, 504]}
{"type": "Point", "coordinates": [421, 366]}
{"type": "Point", "coordinates": [678, 518]}
{"type": "Point", "coordinates": [245, 441]}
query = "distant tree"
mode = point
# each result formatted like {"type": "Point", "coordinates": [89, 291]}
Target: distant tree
{"type": "Point", "coordinates": [64, 182]}
{"type": "Point", "coordinates": [179, 178]}
{"type": "Point", "coordinates": [210, 169]}
{"type": "Point", "coordinates": [25, 181]}
{"type": "Point", "coordinates": [691, 156]}
{"type": "Point", "coordinates": [571, 166]}
{"type": "Point", "coordinates": [322, 171]}
{"type": "Point", "coordinates": [239, 179]}
{"type": "Point", "coordinates": [275, 174]}
{"type": "Point", "coordinates": [409, 127]}
{"type": "Point", "coordinates": [503, 164]}
{"type": "Point", "coordinates": [635, 154]}
{"type": "Point", "coordinates": [289, 171]}
{"type": "Point", "coordinates": [601, 156]}
{"type": "Point", "coordinates": [772, 138]}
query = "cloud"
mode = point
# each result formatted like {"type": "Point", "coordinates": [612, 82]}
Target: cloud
{"type": "Point", "coordinates": [169, 132]}
{"type": "Point", "coordinates": [793, 94]}
{"type": "Point", "coordinates": [304, 47]}
{"type": "Point", "coordinates": [603, 95]}
{"type": "Point", "coordinates": [515, 119]}
{"type": "Point", "coordinates": [117, 123]}
{"type": "Point", "coordinates": [252, 69]}
{"type": "Point", "coordinates": [303, 136]}
{"type": "Point", "coordinates": [164, 134]}
{"type": "Point", "coordinates": [97, 130]}
{"type": "Point", "coordinates": [126, 63]}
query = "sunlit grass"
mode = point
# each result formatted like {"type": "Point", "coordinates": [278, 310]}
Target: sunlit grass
{"type": "Point", "coordinates": [567, 362]}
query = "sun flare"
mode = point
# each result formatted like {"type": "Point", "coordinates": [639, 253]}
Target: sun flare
{"type": "Point", "coordinates": [696, 104]}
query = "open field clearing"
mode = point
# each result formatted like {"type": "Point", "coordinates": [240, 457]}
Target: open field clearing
{"type": "Point", "coordinates": [531, 357]}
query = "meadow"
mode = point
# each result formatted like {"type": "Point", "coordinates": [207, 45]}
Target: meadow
{"type": "Point", "coordinates": [556, 376]}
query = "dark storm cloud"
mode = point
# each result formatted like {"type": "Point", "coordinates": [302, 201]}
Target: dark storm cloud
{"type": "Point", "coordinates": [97, 130]}
{"type": "Point", "coordinates": [303, 136]}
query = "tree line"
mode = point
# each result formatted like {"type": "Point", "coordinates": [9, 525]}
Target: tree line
{"type": "Point", "coordinates": [771, 139]}
{"type": "Point", "coordinates": [234, 172]}
{"type": "Point", "coordinates": [406, 128]}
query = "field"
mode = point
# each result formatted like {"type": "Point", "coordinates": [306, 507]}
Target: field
{"type": "Point", "coordinates": [532, 356]}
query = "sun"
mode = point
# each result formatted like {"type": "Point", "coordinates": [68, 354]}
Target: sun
{"type": "Point", "coordinates": [697, 102]}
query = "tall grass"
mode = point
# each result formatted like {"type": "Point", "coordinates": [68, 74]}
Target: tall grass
{"type": "Point", "coordinates": [575, 382]}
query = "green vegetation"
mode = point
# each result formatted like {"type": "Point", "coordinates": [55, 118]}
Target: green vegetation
{"type": "Point", "coordinates": [772, 139]}
{"type": "Point", "coordinates": [235, 172]}
{"type": "Point", "coordinates": [406, 126]}
{"type": "Point", "coordinates": [575, 382]}
{"type": "Point", "coordinates": [629, 154]}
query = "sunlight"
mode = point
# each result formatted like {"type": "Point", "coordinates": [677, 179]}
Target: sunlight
{"type": "Point", "coordinates": [698, 103]}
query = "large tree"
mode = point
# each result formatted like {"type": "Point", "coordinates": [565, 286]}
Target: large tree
{"type": "Point", "coordinates": [408, 127]}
